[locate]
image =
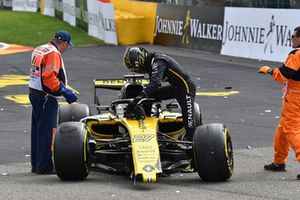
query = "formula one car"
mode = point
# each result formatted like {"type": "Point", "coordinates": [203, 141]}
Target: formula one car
{"type": "Point", "coordinates": [142, 142]}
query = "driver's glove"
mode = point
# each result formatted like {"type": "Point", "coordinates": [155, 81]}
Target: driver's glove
{"type": "Point", "coordinates": [134, 102]}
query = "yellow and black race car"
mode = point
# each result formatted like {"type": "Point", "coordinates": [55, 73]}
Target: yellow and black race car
{"type": "Point", "coordinates": [143, 142]}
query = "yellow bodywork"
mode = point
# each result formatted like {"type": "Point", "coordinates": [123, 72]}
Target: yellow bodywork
{"type": "Point", "coordinates": [145, 150]}
{"type": "Point", "coordinates": [144, 141]}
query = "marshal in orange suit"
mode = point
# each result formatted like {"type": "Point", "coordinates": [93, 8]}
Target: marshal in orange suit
{"type": "Point", "coordinates": [287, 133]}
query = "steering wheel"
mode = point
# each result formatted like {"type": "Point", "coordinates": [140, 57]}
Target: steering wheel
{"type": "Point", "coordinates": [137, 111]}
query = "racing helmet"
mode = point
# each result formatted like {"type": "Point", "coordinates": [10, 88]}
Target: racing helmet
{"type": "Point", "coordinates": [134, 59]}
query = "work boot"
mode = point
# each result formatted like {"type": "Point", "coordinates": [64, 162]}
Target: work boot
{"type": "Point", "coordinates": [33, 170]}
{"type": "Point", "coordinates": [275, 167]}
{"type": "Point", "coordinates": [298, 176]}
{"type": "Point", "coordinates": [46, 172]}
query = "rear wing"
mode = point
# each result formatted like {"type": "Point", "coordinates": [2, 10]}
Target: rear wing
{"type": "Point", "coordinates": [117, 84]}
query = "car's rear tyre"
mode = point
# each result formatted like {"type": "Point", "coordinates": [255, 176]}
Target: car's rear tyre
{"type": "Point", "coordinates": [213, 153]}
{"type": "Point", "coordinates": [72, 112]}
{"type": "Point", "coordinates": [71, 151]}
{"type": "Point", "coordinates": [198, 114]}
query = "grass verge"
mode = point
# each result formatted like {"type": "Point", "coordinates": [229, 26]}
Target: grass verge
{"type": "Point", "coordinates": [33, 29]}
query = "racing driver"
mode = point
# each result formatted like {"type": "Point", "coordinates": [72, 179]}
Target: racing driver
{"type": "Point", "coordinates": [161, 68]}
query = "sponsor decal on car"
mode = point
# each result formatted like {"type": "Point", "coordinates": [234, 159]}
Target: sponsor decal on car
{"type": "Point", "coordinates": [142, 138]}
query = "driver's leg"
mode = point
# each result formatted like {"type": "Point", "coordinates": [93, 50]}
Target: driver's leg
{"type": "Point", "coordinates": [186, 102]}
{"type": "Point", "coordinates": [165, 93]}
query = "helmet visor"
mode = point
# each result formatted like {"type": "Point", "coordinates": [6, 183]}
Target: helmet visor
{"type": "Point", "coordinates": [134, 59]}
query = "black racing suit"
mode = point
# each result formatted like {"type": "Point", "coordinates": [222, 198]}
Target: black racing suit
{"type": "Point", "coordinates": [160, 68]}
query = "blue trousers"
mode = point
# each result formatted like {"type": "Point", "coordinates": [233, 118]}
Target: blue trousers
{"type": "Point", "coordinates": [43, 125]}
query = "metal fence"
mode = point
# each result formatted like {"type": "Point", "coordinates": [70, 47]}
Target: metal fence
{"type": "Point", "coordinates": [235, 3]}
{"type": "Point", "coordinates": [232, 3]}
{"type": "Point", "coordinates": [264, 3]}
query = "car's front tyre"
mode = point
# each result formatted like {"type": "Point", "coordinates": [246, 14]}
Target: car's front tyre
{"type": "Point", "coordinates": [71, 151]}
{"type": "Point", "coordinates": [213, 152]}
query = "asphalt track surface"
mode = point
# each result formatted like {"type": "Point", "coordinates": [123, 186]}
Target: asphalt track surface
{"type": "Point", "coordinates": [251, 117]}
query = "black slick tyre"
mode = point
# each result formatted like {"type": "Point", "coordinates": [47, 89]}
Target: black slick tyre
{"type": "Point", "coordinates": [70, 151]}
{"type": "Point", "coordinates": [72, 112]}
{"type": "Point", "coordinates": [213, 152]}
{"type": "Point", "coordinates": [198, 114]}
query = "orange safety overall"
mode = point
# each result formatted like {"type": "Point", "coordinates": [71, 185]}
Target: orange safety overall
{"type": "Point", "coordinates": [287, 133]}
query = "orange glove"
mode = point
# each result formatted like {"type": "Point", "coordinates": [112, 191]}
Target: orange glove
{"type": "Point", "coordinates": [264, 70]}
